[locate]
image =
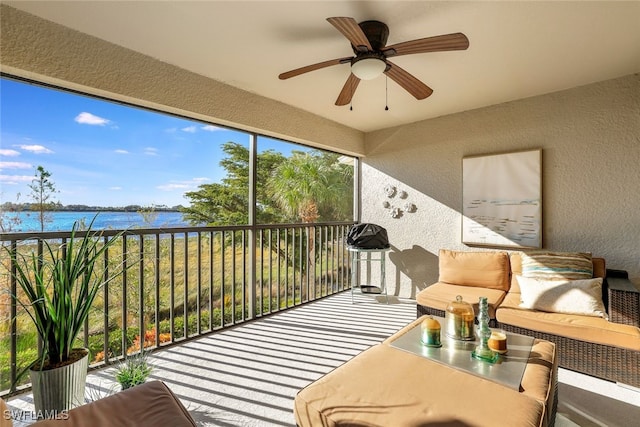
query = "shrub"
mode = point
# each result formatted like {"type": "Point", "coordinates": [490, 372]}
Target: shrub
{"type": "Point", "coordinates": [133, 371]}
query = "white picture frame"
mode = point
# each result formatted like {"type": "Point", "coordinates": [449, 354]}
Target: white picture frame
{"type": "Point", "coordinates": [502, 200]}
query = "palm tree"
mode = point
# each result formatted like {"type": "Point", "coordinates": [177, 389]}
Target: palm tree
{"type": "Point", "coordinates": [309, 186]}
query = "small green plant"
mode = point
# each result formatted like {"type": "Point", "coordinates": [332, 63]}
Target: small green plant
{"type": "Point", "coordinates": [134, 370]}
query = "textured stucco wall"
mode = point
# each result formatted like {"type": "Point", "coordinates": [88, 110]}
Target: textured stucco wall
{"type": "Point", "coordinates": [34, 48]}
{"type": "Point", "coordinates": [590, 137]}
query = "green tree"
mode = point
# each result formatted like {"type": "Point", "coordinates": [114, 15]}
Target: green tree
{"type": "Point", "coordinates": [227, 202]}
{"type": "Point", "coordinates": [312, 186]}
{"type": "Point", "coordinates": [305, 187]}
{"type": "Point", "coordinates": [42, 189]}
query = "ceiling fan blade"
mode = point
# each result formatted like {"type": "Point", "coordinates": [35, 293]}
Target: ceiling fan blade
{"type": "Point", "coordinates": [411, 84]}
{"type": "Point", "coordinates": [313, 67]}
{"type": "Point", "coordinates": [348, 90]}
{"type": "Point", "coordinates": [352, 31]}
{"type": "Point", "coordinates": [445, 42]}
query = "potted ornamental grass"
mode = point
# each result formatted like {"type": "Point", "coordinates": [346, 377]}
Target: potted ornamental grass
{"type": "Point", "coordinates": [57, 290]}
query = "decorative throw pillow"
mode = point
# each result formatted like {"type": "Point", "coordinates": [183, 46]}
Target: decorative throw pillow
{"type": "Point", "coordinates": [563, 296]}
{"type": "Point", "coordinates": [557, 265]}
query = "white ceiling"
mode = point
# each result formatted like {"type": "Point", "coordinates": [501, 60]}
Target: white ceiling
{"type": "Point", "coordinates": [517, 49]}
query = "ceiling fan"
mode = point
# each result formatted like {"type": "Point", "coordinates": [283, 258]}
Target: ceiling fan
{"type": "Point", "coordinates": [368, 41]}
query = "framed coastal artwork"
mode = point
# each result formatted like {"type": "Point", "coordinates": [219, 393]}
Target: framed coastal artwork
{"type": "Point", "coordinates": [502, 200]}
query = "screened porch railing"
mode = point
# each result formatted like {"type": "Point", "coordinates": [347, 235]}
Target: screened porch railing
{"type": "Point", "coordinates": [180, 283]}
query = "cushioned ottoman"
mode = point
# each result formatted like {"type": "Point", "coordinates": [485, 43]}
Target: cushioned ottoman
{"type": "Point", "coordinates": [150, 404]}
{"type": "Point", "coordinates": [385, 386]}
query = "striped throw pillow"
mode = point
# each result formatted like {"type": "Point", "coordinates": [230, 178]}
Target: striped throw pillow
{"type": "Point", "coordinates": [557, 265]}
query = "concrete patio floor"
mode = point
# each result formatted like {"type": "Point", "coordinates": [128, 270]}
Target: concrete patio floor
{"type": "Point", "coordinates": [249, 375]}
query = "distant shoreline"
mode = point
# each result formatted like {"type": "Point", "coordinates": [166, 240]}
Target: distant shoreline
{"type": "Point", "coordinates": [75, 208]}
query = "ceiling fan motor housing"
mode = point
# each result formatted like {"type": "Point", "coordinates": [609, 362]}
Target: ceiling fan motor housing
{"type": "Point", "coordinates": [376, 32]}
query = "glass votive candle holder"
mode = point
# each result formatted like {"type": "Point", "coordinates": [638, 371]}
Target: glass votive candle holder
{"type": "Point", "coordinates": [430, 335]}
{"type": "Point", "coordinates": [498, 341]}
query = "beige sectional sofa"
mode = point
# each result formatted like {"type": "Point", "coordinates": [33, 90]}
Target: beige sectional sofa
{"type": "Point", "coordinates": [605, 347]}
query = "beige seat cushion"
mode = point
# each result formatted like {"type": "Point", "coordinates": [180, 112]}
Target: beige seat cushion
{"type": "Point", "coordinates": [583, 328]}
{"type": "Point", "coordinates": [384, 386]}
{"type": "Point", "coordinates": [481, 269]}
{"type": "Point", "coordinates": [440, 294]}
{"type": "Point", "coordinates": [151, 404]}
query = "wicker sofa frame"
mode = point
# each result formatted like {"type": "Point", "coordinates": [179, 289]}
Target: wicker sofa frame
{"type": "Point", "coordinates": [615, 364]}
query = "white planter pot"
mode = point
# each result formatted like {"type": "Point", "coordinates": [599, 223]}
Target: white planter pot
{"type": "Point", "coordinates": [60, 389]}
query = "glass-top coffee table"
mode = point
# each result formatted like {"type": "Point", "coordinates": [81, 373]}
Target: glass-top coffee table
{"type": "Point", "coordinates": [507, 370]}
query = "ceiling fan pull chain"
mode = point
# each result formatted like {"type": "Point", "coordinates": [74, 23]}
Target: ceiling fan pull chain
{"type": "Point", "coordinates": [386, 93]}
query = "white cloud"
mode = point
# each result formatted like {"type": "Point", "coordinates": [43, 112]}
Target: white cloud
{"type": "Point", "coordinates": [151, 151]}
{"type": "Point", "coordinates": [36, 149]}
{"type": "Point", "coordinates": [182, 185]}
{"type": "Point", "coordinates": [15, 179]}
{"type": "Point", "coordinates": [120, 151]}
{"type": "Point", "coordinates": [211, 128]}
{"type": "Point", "coordinates": [190, 129]}
{"type": "Point", "coordinates": [173, 186]}
{"type": "Point", "coordinates": [115, 188]}
{"type": "Point", "coordinates": [15, 165]}
{"type": "Point", "coordinates": [89, 119]}
{"type": "Point", "coordinates": [9, 153]}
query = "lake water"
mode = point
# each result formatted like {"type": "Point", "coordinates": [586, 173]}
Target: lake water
{"type": "Point", "coordinates": [63, 221]}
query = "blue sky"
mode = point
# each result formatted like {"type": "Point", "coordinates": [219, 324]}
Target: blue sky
{"type": "Point", "coordinates": [105, 154]}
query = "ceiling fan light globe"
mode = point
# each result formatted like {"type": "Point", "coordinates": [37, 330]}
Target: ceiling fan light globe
{"type": "Point", "coordinates": [368, 68]}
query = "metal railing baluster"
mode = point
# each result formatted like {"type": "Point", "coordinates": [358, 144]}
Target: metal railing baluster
{"type": "Point", "coordinates": [124, 297]}
{"type": "Point", "coordinates": [141, 325]}
{"type": "Point", "coordinates": [198, 283]}
{"type": "Point", "coordinates": [172, 286]}
{"type": "Point", "coordinates": [105, 304]}
{"type": "Point", "coordinates": [185, 290]}
{"type": "Point", "coordinates": [156, 310]}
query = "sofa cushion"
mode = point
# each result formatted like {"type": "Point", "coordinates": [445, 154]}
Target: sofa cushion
{"type": "Point", "coordinates": [557, 265]}
{"type": "Point", "coordinates": [515, 260]}
{"type": "Point", "coordinates": [583, 328]}
{"type": "Point", "coordinates": [440, 295]}
{"type": "Point", "coordinates": [480, 269]}
{"type": "Point", "coordinates": [563, 296]}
